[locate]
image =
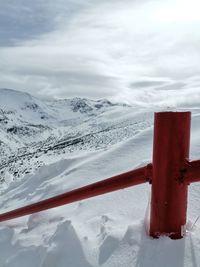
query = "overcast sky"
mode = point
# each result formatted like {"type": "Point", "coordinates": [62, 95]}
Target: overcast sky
{"type": "Point", "coordinates": [131, 50]}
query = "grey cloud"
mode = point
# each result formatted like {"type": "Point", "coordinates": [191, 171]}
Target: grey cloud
{"type": "Point", "coordinates": [68, 84]}
{"type": "Point", "coordinates": [120, 49]}
{"type": "Point", "coordinates": [22, 20]}
{"type": "Point", "coordinates": [173, 86]}
{"type": "Point", "coordinates": [142, 84]}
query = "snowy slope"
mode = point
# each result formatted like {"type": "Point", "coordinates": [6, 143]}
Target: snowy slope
{"type": "Point", "coordinates": [30, 128]}
{"type": "Point", "coordinates": [109, 230]}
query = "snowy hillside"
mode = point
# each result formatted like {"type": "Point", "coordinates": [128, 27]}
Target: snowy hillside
{"type": "Point", "coordinates": [50, 147]}
{"type": "Point", "coordinates": [31, 128]}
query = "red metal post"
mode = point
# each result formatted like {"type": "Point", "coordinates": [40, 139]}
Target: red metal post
{"type": "Point", "coordinates": [169, 188]}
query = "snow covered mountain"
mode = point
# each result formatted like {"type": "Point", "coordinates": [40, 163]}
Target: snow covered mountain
{"type": "Point", "coordinates": [51, 147]}
{"type": "Point", "coordinates": [30, 128]}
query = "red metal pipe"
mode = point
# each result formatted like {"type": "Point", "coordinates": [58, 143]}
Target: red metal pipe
{"type": "Point", "coordinates": [131, 178]}
{"type": "Point", "coordinates": [192, 171]}
{"type": "Point", "coordinates": [169, 189]}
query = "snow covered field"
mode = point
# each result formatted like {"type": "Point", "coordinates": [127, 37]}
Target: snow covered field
{"type": "Point", "coordinates": [107, 231]}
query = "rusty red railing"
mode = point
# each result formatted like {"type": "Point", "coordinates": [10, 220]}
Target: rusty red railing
{"type": "Point", "coordinates": [169, 174]}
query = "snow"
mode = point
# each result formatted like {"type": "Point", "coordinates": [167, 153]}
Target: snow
{"type": "Point", "coordinates": [108, 230]}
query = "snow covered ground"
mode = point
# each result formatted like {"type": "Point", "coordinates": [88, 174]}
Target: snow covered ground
{"type": "Point", "coordinates": [108, 230]}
